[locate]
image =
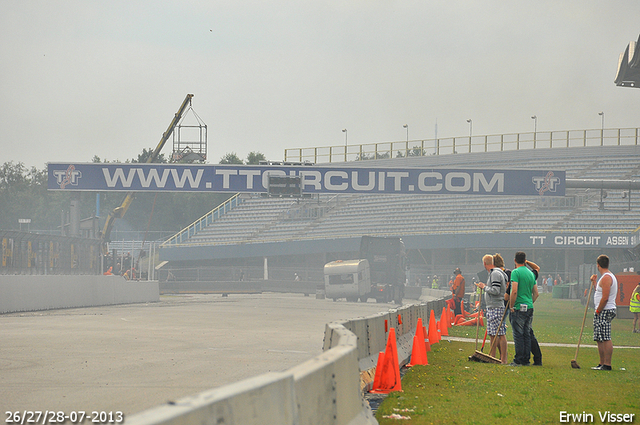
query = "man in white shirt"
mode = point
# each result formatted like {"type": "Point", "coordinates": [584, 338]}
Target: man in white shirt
{"type": "Point", "coordinates": [604, 300]}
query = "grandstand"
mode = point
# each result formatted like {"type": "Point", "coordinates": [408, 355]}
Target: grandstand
{"type": "Point", "coordinates": [319, 228]}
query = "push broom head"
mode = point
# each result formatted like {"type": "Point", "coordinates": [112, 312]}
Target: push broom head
{"type": "Point", "coordinates": [481, 357]}
{"type": "Point", "coordinates": [574, 364]}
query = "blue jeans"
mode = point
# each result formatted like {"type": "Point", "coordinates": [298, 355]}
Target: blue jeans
{"type": "Point", "coordinates": [521, 327]}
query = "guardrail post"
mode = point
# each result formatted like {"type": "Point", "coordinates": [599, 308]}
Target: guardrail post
{"type": "Point", "coordinates": [619, 135]}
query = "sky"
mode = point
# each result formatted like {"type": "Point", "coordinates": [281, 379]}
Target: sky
{"type": "Point", "coordinates": [84, 78]}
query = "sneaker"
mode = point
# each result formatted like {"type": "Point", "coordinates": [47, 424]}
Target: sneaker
{"type": "Point", "coordinates": [605, 367]}
{"type": "Point", "coordinates": [514, 364]}
{"type": "Point", "coordinates": [599, 367]}
{"type": "Point", "coordinates": [538, 364]}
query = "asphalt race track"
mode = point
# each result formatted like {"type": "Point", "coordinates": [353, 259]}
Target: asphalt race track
{"type": "Point", "coordinates": [130, 358]}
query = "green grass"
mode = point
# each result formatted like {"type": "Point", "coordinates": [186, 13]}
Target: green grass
{"type": "Point", "coordinates": [559, 320]}
{"type": "Point", "coordinates": [453, 390]}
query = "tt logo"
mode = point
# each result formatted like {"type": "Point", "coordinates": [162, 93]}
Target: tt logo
{"type": "Point", "coordinates": [68, 176]}
{"type": "Point", "coordinates": [547, 183]}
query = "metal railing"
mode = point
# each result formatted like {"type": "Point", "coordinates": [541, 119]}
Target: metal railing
{"type": "Point", "coordinates": [468, 144]}
{"type": "Point", "coordinates": [205, 220]}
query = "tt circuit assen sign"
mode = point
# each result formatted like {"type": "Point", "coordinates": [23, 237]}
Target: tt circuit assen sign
{"type": "Point", "coordinates": [586, 240]}
{"type": "Point", "coordinates": [314, 179]}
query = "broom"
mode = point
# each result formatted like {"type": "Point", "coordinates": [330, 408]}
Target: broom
{"type": "Point", "coordinates": [574, 362]}
{"type": "Point", "coordinates": [479, 356]}
{"type": "Point", "coordinates": [484, 340]}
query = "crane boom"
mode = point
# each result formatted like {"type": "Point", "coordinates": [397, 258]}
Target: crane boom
{"type": "Point", "coordinates": [121, 210]}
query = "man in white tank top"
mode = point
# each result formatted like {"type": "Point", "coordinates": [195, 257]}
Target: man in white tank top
{"type": "Point", "coordinates": [604, 300]}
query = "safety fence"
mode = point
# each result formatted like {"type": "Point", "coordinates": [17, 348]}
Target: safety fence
{"type": "Point", "coordinates": [41, 254]}
{"type": "Point", "coordinates": [466, 144]}
{"type": "Point", "coordinates": [326, 390]}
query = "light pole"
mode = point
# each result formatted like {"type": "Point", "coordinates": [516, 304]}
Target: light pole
{"type": "Point", "coordinates": [535, 129]}
{"type": "Point", "coordinates": [470, 121]}
{"type": "Point", "coordinates": [344, 130]}
{"type": "Point", "coordinates": [407, 127]}
{"type": "Point", "coordinates": [601, 128]}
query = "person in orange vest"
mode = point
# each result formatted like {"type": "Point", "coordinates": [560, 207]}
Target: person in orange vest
{"type": "Point", "coordinates": [457, 291]}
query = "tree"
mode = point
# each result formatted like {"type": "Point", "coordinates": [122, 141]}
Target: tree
{"type": "Point", "coordinates": [230, 158]}
{"type": "Point", "coordinates": [254, 158]}
{"type": "Point", "coordinates": [144, 156]}
{"type": "Point", "coordinates": [23, 194]}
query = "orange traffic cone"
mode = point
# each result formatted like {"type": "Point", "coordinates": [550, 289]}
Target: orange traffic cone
{"type": "Point", "coordinates": [377, 376]}
{"type": "Point", "coordinates": [444, 325]}
{"type": "Point", "coordinates": [451, 302]}
{"type": "Point", "coordinates": [434, 337]}
{"type": "Point", "coordinates": [388, 368]}
{"type": "Point", "coordinates": [452, 317]}
{"type": "Point", "coordinates": [418, 353]}
{"type": "Point", "coordinates": [427, 345]}
{"type": "Point", "coordinates": [419, 350]}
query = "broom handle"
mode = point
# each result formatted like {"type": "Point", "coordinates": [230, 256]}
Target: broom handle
{"type": "Point", "coordinates": [477, 327]}
{"type": "Point", "coordinates": [495, 340]}
{"type": "Point", "coordinates": [586, 307]}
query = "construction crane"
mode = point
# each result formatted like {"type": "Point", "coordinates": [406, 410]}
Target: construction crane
{"type": "Point", "coordinates": [121, 210]}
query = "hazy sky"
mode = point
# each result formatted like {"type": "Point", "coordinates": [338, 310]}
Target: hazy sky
{"type": "Point", "coordinates": [83, 78]}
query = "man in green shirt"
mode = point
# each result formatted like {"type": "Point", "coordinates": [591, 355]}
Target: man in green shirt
{"type": "Point", "coordinates": [523, 293]}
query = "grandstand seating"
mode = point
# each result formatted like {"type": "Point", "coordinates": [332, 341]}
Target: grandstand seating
{"type": "Point", "coordinates": [259, 219]}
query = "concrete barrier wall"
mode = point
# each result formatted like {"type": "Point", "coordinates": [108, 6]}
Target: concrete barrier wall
{"type": "Point", "coordinates": [325, 390]}
{"type": "Point", "coordinates": [321, 391]}
{"type": "Point", "coordinates": [32, 293]}
{"type": "Point", "coordinates": [238, 287]}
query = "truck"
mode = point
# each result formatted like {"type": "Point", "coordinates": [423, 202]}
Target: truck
{"type": "Point", "coordinates": [383, 260]}
{"type": "Point", "coordinates": [348, 279]}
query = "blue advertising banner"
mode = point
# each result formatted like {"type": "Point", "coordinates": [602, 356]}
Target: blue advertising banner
{"type": "Point", "coordinates": [315, 179]}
